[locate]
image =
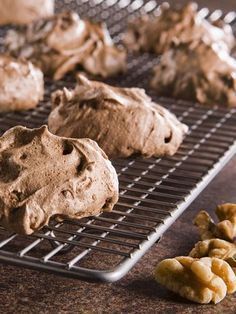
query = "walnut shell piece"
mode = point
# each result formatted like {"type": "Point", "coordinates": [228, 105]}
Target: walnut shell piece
{"type": "Point", "coordinates": [123, 121]}
{"type": "Point", "coordinates": [82, 44]}
{"type": "Point", "coordinates": [201, 280]}
{"type": "Point", "coordinates": [44, 176]}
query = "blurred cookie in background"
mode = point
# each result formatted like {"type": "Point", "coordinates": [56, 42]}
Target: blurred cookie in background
{"type": "Point", "coordinates": [21, 84]}
{"type": "Point", "coordinates": [179, 25]}
{"type": "Point", "coordinates": [24, 11]}
{"type": "Point", "coordinates": [62, 43]}
{"type": "Point", "coordinates": [197, 71]}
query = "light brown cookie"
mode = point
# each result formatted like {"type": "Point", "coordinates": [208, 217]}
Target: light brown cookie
{"type": "Point", "coordinates": [61, 43]}
{"type": "Point", "coordinates": [178, 25]}
{"type": "Point", "coordinates": [21, 84]}
{"type": "Point", "coordinates": [24, 11]}
{"type": "Point", "coordinates": [197, 71]}
{"type": "Point", "coordinates": [43, 175]}
{"type": "Point", "coordinates": [123, 121]}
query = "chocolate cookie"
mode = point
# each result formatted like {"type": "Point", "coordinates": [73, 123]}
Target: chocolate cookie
{"type": "Point", "coordinates": [182, 25]}
{"type": "Point", "coordinates": [24, 11]}
{"type": "Point", "coordinates": [61, 43]}
{"type": "Point", "coordinates": [44, 176]}
{"type": "Point", "coordinates": [21, 84]}
{"type": "Point", "coordinates": [123, 121]}
{"type": "Point", "coordinates": [197, 71]}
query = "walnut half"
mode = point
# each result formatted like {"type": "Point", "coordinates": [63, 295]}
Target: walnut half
{"type": "Point", "coordinates": [226, 214]}
{"type": "Point", "coordinates": [201, 280]}
{"type": "Point", "coordinates": [224, 229]}
{"type": "Point", "coordinates": [206, 225]}
{"type": "Point", "coordinates": [215, 248]}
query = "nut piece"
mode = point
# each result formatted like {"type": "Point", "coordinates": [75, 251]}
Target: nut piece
{"type": "Point", "coordinates": [24, 11]}
{"type": "Point", "coordinates": [182, 25]}
{"type": "Point", "coordinates": [227, 216]}
{"type": "Point", "coordinates": [201, 280]}
{"type": "Point", "coordinates": [21, 84]}
{"type": "Point", "coordinates": [225, 229]}
{"type": "Point", "coordinates": [44, 176]}
{"type": "Point", "coordinates": [123, 121]}
{"type": "Point", "coordinates": [226, 211]}
{"type": "Point", "coordinates": [82, 43]}
{"type": "Point", "coordinates": [206, 226]}
{"type": "Point", "coordinates": [215, 248]}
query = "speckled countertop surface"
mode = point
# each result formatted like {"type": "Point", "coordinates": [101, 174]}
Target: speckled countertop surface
{"type": "Point", "coordinates": [26, 291]}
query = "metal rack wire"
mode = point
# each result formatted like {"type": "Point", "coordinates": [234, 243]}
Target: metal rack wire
{"type": "Point", "coordinates": [153, 192]}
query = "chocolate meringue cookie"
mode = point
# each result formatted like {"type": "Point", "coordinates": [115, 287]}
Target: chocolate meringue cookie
{"type": "Point", "coordinates": [24, 11]}
{"type": "Point", "coordinates": [197, 71]}
{"type": "Point", "coordinates": [21, 84]}
{"type": "Point", "coordinates": [155, 34]}
{"type": "Point", "coordinates": [123, 121]}
{"type": "Point", "coordinates": [44, 176]}
{"type": "Point", "coordinates": [61, 43]}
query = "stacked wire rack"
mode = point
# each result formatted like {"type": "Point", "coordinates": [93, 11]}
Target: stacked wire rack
{"type": "Point", "coordinates": [153, 192]}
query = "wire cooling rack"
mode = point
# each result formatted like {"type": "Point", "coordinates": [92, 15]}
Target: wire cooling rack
{"type": "Point", "coordinates": [153, 192]}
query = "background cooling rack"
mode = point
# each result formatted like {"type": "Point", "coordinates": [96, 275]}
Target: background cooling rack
{"type": "Point", "coordinates": [153, 192]}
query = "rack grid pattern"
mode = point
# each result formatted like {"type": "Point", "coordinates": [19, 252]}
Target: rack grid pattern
{"type": "Point", "coordinates": [153, 192]}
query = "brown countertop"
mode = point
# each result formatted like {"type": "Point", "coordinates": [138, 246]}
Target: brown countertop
{"type": "Point", "coordinates": [26, 291]}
